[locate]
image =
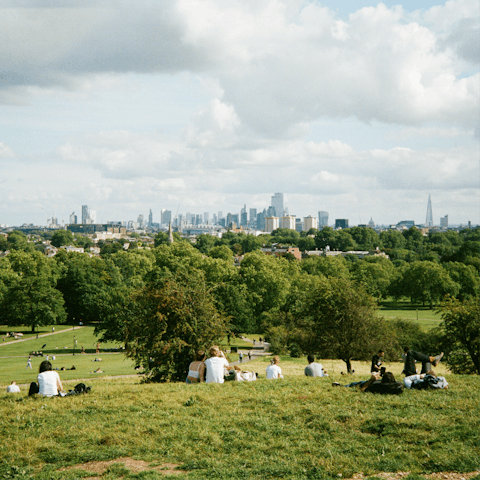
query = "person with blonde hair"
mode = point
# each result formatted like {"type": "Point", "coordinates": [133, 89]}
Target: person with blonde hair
{"type": "Point", "coordinates": [274, 372]}
{"type": "Point", "coordinates": [196, 370]}
{"type": "Point", "coordinates": [216, 365]}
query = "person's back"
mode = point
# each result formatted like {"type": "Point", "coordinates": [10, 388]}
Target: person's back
{"type": "Point", "coordinates": [47, 383]}
{"type": "Point", "coordinates": [274, 372]}
{"type": "Point", "coordinates": [13, 388]}
{"type": "Point", "coordinates": [314, 369]}
{"type": "Point", "coordinates": [215, 366]}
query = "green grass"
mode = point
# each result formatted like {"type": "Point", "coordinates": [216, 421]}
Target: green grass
{"type": "Point", "coordinates": [298, 428]}
{"type": "Point", "coordinates": [13, 356]}
{"type": "Point", "coordinates": [427, 318]}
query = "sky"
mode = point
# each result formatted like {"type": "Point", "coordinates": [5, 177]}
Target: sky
{"type": "Point", "coordinates": [358, 108]}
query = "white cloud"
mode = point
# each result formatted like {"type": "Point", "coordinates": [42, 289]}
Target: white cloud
{"type": "Point", "coordinates": [6, 151]}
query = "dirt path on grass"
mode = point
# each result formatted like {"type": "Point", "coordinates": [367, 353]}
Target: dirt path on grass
{"type": "Point", "coordinates": [39, 336]}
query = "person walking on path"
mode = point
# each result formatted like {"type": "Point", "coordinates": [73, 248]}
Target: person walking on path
{"type": "Point", "coordinates": [29, 363]}
{"type": "Point", "coordinates": [240, 357]}
{"type": "Point", "coordinates": [249, 355]}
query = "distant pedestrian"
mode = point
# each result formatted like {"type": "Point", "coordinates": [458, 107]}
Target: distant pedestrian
{"type": "Point", "coordinates": [53, 329]}
{"type": "Point", "coordinates": [249, 355]}
{"type": "Point", "coordinates": [29, 363]}
{"type": "Point", "coordinates": [254, 342]}
{"type": "Point", "coordinates": [240, 357]}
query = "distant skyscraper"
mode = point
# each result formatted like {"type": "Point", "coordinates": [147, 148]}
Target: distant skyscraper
{"type": "Point", "coordinates": [322, 218]}
{"type": "Point", "coordinates": [215, 219]}
{"type": "Point", "coordinates": [93, 216]}
{"type": "Point", "coordinates": [150, 217]}
{"type": "Point", "coordinates": [309, 223]}
{"type": "Point", "coordinates": [73, 219]}
{"type": "Point", "coordinates": [429, 219]}
{"type": "Point", "coordinates": [253, 218]}
{"type": "Point", "coordinates": [341, 223]}
{"type": "Point", "coordinates": [140, 221]}
{"type": "Point", "coordinates": [206, 217]}
{"type": "Point", "coordinates": [85, 214]}
{"type": "Point", "coordinates": [243, 216]}
{"type": "Point", "coordinates": [277, 204]}
{"type": "Point", "coordinates": [444, 221]}
{"type": "Point", "coordinates": [166, 216]}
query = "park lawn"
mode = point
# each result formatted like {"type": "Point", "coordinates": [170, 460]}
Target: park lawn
{"type": "Point", "coordinates": [426, 317]}
{"type": "Point", "coordinates": [112, 364]}
{"type": "Point", "coordinates": [296, 428]}
{"type": "Point", "coordinates": [27, 331]}
{"type": "Point", "coordinates": [58, 343]}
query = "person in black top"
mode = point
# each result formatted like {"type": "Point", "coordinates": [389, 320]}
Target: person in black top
{"type": "Point", "coordinates": [377, 361]}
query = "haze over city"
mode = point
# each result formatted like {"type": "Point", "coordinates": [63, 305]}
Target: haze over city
{"type": "Point", "coordinates": [362, 109]}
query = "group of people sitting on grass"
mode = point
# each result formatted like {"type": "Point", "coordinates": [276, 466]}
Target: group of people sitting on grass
{"type": "Point", "coordinates": [215, 369]}
{"type": "Point", "coordinates": [382, 381]}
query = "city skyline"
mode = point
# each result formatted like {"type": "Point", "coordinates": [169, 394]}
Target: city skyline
{"type": "Point", "coordinates": [207, 106]}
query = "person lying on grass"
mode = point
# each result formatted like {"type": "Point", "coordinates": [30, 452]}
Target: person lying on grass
{"type": "Point", "coordinates": [410, 356]}
{"type": "Point", "coordinates": [425, 380]}
{"type": "Point", "coordinates": [274, 372]}
{"type": "Point", "coordinates": [49, 384]}
{"type": "Point", "coordinates": [387, 385]}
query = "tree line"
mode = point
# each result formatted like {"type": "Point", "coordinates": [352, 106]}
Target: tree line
{"type": "Point", "coordinates": [166, 302]}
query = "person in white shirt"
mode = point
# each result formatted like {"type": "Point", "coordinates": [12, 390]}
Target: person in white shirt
{"type": "Point", "coordinates": [216, 366]}
{"type": "Point", "coordinates": [49, 384]}
{"type": "Point", "coordinates": [274, 372]}
{"type": "Point", "coordinates": [420, 382]}
{"type": "Point", "coordinates": [13, 388]}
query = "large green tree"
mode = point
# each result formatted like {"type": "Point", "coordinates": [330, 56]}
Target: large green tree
{"type": "Point", "coordinates": [29, 289]}
{"type": "Point", "coordinates": [169, 319]}
{"type": "Point", "coordinates": [461, 322]}
{"type": "Point", "coordinates": [62, 237]}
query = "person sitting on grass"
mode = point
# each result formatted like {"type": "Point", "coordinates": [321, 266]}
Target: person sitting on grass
{"type": "Point", "coordinates": [216, 365]}
{"type": "Point", "coordinates": [377, 361]}
{"type": "Point", "coordinates": [425, 380]}
{"type": "Point", "coordinates": [427, 361]}
{"type": "Point", "coordinates": [196, 370]}
{"type": "Point", "coordinates": [314, 369]}
{"type": "Point", "coordinates": [13, 388]}
{"type": "Point", "coordinates": [387, 384]}
{"type": "Point", "coordinates": [49, 384]}
{"type": "Point", "coordinates": [274, 372]}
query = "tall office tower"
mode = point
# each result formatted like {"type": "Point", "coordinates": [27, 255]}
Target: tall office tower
{"type": "Point", "coordinates": [150, 218]}
{"type": "Point", "coordinates": [73, 219]}
{"type": "Point", "coordinates": [220, 215]}
{"type": "Point", "coordinates": [341, 223]}
{"type": "Point", "coordinates": [253, 218]}
{"type": "Point", "coordinates": [287, 222]}
{"type": "Point", "coordinates": [140, 221]}
{"type": "Point", "coordinates": [166, 216]}
{"type": "Point", "coordinates": [85, 214]}
{"type": "Point", "coordinates": [429, 219]}
{"type": "Point", "coordinates": [215, 219]}
{"type": "Point", "coordinates": [271, 224]}
{"type": "Point", "coordinates": [271, 211]}
{"type": "Point", "coordinates": [188, 218]}
{"type": "Point", "coordinates": [206, 217]}
{"type": "Point", "coordinates": [244, 216]}
{"type": "Point", "coordinates": [198, 219]}
{"type": "Point", "coordinates": [229, 220]}
{"type": "Point", "coordinates": [444, 221]}
{"type": "Point", "coordinates": [277, 204]}
{"type": "Point", "coordinates": [322, 218]}
{"type": "Point", "coordinates": [309, 223]}
{"type": "Point", "coordinates": [261, 220]}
